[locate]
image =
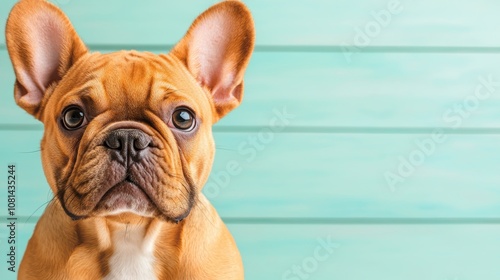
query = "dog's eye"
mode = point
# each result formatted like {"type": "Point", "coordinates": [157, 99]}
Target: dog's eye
{"type": "Point", "coordinates": [183, 119]}
{"type": "Point", "coordinates": [73, 118]}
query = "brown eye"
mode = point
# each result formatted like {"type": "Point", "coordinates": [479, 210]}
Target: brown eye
{"type": "Point", "coordinates": [183, 119]}
{"type": "Point", "coordinates": [73, 118]}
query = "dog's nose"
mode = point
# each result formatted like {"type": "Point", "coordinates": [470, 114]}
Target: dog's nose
{"type": "Point", "coordinates": [127, 145]}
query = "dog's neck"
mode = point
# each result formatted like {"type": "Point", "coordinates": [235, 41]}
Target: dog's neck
{"type": "Point", "coordinates": [127, 244]}
{"type": "Point", "coordinates": [133, 246]}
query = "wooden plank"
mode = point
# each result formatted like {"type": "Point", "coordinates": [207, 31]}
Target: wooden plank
{"type": "Point", "coordinates": [321, 175]}
{"type": "Point", "coordinates": [324, 90]}
{"type": "Point", "coordinates": [369, 252]}
{"type": "Point", "coordinates": [356, 252]}
{"type": "Point", "coordinates": [317, 175]}
{"type": "Point", "coordinates": [285, 23]}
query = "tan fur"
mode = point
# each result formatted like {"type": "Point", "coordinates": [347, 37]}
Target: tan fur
{"type": "Point", "coordinates": [128, 89]}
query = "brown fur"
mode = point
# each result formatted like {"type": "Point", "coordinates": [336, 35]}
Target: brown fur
{"type": "Point", "coordinates": [128, 89]}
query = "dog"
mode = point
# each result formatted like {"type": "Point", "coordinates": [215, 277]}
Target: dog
{"type": "Point", "coordinates": [128, 146]}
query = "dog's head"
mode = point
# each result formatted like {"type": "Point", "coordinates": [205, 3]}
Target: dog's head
{"type": "Point", "coordinates": [128, 132]}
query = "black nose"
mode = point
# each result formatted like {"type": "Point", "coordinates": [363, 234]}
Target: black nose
{"type": "Point", "coordinates": [127, 145]}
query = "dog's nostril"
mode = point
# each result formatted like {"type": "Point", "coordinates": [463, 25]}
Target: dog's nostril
{"type": "Point", "coordinates": [141, 142]}
{"type": "Point", "coordinates": [113, 142]}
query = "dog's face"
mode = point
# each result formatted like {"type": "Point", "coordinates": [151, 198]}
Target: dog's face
{"type": "Point", "coordinates": [135, 139]}
{"type": "Point", "coordinates": [128, 132]}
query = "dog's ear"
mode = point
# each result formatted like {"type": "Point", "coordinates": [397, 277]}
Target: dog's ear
{"type": "Point", "coordinates": [216, 50]}
{"type": "Point", "coordinates": [42, 45]}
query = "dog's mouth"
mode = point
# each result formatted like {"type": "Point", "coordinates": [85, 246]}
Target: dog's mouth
{"type": "Point", "coordinates": [126, 196]}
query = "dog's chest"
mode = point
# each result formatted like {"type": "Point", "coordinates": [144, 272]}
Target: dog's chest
{"type": "Point", "coordinates": [133, 255]}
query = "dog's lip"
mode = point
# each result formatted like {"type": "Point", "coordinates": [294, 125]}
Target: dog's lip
{"type": "Point", "coordinates": [123, 193]}
{"type": "Point", "coordinates": [127, 182]}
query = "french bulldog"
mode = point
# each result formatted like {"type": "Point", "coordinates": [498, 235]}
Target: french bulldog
{"type": "Point", "coordinates": [128, 146]}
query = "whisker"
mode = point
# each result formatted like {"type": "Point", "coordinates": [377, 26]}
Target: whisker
{"type": "Point", "coordinates": [201, 210]}
{"type": "Point", "coordinates": [225, 149]}
{"type": "Point", "coordinates": [31, 152]}
{"type": "Point", "coordinates": [44, 204]}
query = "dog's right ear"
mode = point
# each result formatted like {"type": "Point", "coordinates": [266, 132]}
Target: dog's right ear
{"type": "Point", "coordinates": [42, 45]}
{"type": "Point", "coordinates": [216, 50]}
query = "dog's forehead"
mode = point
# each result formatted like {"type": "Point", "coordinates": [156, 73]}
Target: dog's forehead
{"type": "Point", "coordinates": [128, 78]}
{"type": "Point", "coordinates": [141, 74]}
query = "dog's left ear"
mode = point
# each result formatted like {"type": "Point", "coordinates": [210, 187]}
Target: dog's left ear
{"type": "Point", "coordinates": [42, 45]}
{"type": "Point", "coordinates": [216, 50]}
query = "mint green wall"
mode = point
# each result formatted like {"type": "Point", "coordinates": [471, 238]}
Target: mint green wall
{"type": "Point", "coordinates": [361, 108]}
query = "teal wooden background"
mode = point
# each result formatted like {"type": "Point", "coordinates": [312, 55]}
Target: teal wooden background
{"type": "Point", "coordinates": [356, 118]}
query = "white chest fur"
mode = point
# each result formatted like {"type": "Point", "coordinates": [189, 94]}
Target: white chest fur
{"type": "Point", "coordinates": [133, 255]}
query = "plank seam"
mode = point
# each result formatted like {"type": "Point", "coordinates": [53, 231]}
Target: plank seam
{"type": "Point", "coordinates": [313, 48]}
